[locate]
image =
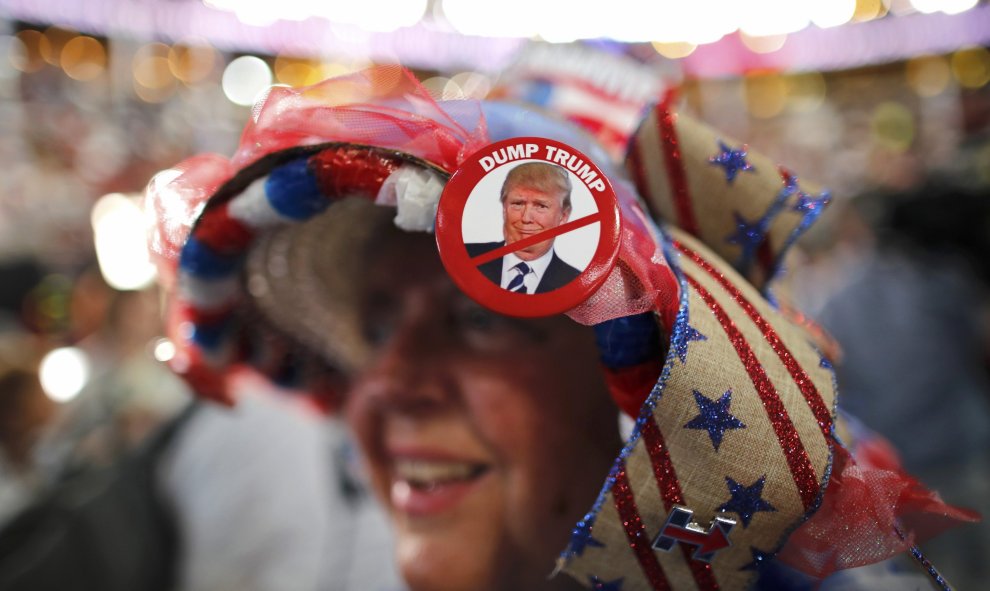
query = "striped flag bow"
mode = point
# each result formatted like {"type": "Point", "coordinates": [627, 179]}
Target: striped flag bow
{"type": "Point", "coordinates": [733, 459]}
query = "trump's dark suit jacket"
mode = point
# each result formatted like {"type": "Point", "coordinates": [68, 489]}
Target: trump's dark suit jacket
{"type": "Point", "coordinates": [558, 273]}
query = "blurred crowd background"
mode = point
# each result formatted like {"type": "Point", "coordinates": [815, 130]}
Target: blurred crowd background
{"type": "Point", "coordinates": [885, 102]}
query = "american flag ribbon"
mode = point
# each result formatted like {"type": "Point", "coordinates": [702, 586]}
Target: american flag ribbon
{"type": "Point", "coordinates": [740, 428]}
{"type": "Point", "coordinates": [736, 200]}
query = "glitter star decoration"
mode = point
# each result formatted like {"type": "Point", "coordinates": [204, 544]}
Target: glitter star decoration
{"type": "Point", "coordinates": [713, 416]}
{"type": "Point", "coordinates": [731, 160]}
{"type": "Point", "coordinates": [581, 539]}
{"type": "Point", "coordinates": [683, 337]}
{"type": "Point", "coordinates": [760, 558]}
{"type": "Point", "coordinates": [746, 500]}
{"type": "Point", "coordinates": [748, 235]}
{"type": "Point", "coordinates": [600, 585]}
{"type": "Point", "coordinates": [807, 203]}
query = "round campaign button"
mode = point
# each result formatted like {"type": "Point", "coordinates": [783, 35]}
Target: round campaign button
{"type": "Point", "coordinates": [528, 227]}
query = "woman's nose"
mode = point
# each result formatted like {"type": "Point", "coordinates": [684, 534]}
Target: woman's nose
{"type": "Point", "coordinates": [410, 371]}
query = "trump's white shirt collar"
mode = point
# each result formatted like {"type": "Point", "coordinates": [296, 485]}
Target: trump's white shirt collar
{"type": "Point", "coordinates": [537, 268]}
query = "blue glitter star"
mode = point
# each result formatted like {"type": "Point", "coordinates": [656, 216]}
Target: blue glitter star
{"type": "Point", "coordinates": [581, 539]}
{"type": "Point", "coordinates": [713, 416]}
{"type": "Point", "coordinates": [809, 204]}
{"type": "Point", "coordinates": [746, 500]}
{"type": "Point", "coordinates": [600, 585]}
{"type": "Point", "coordinates": [825, 363]}
{"type": "Point", "coordinates": [683, 337]}
{"type": "Point", "coordinates": [748, 235]}
{"type": "Point", "coordinates": [760, 558]}
{"type": "Point", "coordinates": [731, 160]}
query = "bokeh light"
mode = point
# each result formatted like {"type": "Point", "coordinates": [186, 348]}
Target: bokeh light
{"type": "Point", "coordinates": [334, 69]}
{"type": "Point", "coordinates": [371, 15]}
{"type": "Point", "coordinates": [437, 85]}
{"type": "Point", "coordinates": [153, 80]}
{"type": "Point", "coordinates": [472, 85]}
{"type": "Point", "coordinates": [832, 13]}
{"type": "Point", "coordinates": [765, 95]}
{"type": "Point", "coordinates": [119, 237]}
{"type": "Point", "coordinates": [763, 44]}
{"type": "Point", "coordinates": [971, 66]}
{"type": "Point", "coordinates": [245, 78]}
{"type": "Point", "coordinates": [697, 23]}
{"type": "Point", "coordinates": [57, 38]}
{"type": "Point", "coordinates": [764, 18]}
{"type": "Point", "coordinates": [806, 92]}
{"type": "Point", "coordinates": [294, 71]}
{"type": "Point", "coordinates": [674, 50]}
{"type": "Point", "coordinates": [192, 61]}
{"type": "Point", "coordinates": [893, 127]}
{"type": "Point", "coordinates": [83, 58]}
{"type": "Point", "coordinates": [503, 20]}
{"type": "Point", "coordinates": [27, 51]}
{"type": "Point", "coordinates": [928, 75]}
{"type": "Point", "coordinates": [867, 10]}
{"type": "Point", "coordinates": [11, 50]}
{"type": "Point", "coordinates": [164, 350]}
{"type": "Point", "coordinates": [63, 373]}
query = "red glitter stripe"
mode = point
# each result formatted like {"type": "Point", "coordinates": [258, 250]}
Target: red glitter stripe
{"type": "Point", "coordinates": [351, 171]}
{"type": "Point", "coordinates": [797, 457]}
{"type": "Point", "coordinates": [814, 398]}
{"type": "Point", "coordinates": [634, 164]}
{"type": "Point", "coordinates": [663, 469]}
{"type": "Point", "coordinates": [670, 492]}
{"type": "Point", "coordinates": [675, 165]}
{"type": "Point", "coordinates": [639, 542]}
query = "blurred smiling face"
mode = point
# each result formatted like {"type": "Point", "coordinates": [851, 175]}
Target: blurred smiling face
{"type": "Point", "coordinates": [486, 437]}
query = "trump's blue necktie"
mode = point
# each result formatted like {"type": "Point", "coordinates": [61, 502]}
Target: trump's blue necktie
{"type": "Point", "coordinates": [516, 284]}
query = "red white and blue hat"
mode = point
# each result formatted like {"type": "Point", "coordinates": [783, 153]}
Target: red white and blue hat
{"type": "Point", "coordinates": [733, 450]}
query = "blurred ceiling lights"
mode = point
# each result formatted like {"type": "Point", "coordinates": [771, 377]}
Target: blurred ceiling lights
{"type": "Point", "coordinates": [663, 21]}
{"type": "Point", "coordinates": [370, 15]}
{"type": "Point", "coordinates": [455, 35]}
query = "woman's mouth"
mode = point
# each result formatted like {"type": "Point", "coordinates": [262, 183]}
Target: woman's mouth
{"type": "Point", "coordinates": [422, 487]}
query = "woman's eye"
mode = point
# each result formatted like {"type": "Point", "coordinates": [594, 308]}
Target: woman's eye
{"type": "Point", "coordinates": [377, 331]}
{"type": "Point", "coordinates": [378, 319]}
{"type": "Point", "coordinates": [478, 318]}
{"type": "Point", "coordinates": [484, 330]}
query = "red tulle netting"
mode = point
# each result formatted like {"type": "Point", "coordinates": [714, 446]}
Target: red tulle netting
{"type": "Point", "coordinates": [872, 510]}
{"type": "Point", "coordinates": [385, 107]}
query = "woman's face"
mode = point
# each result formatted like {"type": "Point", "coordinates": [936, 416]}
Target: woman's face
{"type": "Point", "coordinates": [486, 437]}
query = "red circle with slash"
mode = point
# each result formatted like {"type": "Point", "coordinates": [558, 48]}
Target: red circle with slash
{"type": "Point", "coordinates": [464, 269]}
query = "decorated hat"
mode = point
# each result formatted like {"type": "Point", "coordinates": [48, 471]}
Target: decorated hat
{"type": "Point", "coordinates": [733, 444]}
